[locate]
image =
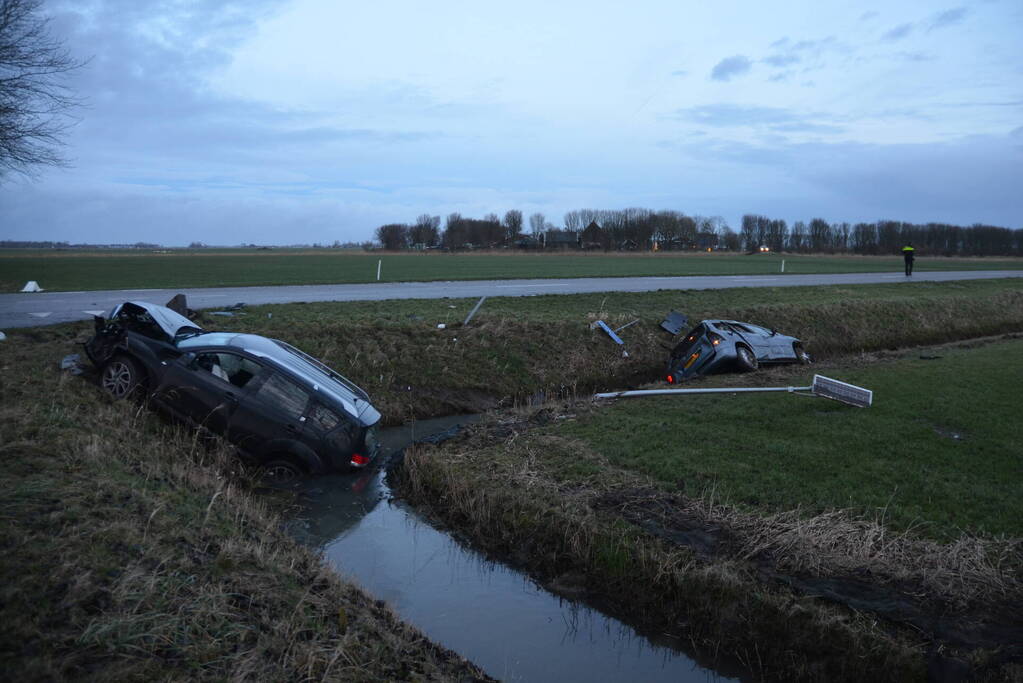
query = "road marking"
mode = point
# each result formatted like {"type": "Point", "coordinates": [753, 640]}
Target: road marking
{"type": "Point", "coordinates": [94, 312]}
{"type": "Point", "coordinates": [41, 315]}
{"type": "Point", "coordinates": [562, 284]}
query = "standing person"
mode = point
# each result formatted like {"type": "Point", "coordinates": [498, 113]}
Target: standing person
{"type": "Point", "coordinates": [907, 256]}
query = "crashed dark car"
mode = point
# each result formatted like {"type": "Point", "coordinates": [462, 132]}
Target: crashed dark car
{"type": "Point", "coordinates": [719, 345]}
{"type": "Point", "coordinates": [286, 412]}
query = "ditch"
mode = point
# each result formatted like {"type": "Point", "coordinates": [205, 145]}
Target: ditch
{"type": "Point", "coordinates": [489, 612]}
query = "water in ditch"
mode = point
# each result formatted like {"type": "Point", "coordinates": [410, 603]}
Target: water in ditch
{"type": "Point", "coordinates": [487, 612]}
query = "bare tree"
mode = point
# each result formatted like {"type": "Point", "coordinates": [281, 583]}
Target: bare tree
{"type": "Point", "coordinates": [393, 236]}
{"type": "Point", "coordinates": [513, 223]}
{"type": "Point", "coordinates": [537, 221]}
{"type": "Point", "coordinates": [35, 104]}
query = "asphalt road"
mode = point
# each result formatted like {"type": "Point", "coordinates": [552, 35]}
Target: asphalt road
{"type": "Point", "coordinates": [48, 308]}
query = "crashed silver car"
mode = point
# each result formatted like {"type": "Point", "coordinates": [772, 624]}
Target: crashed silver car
{"type": "Point", "coordinates": [719, 345]}
{"type": "Point", "coordinates": [286, 411]}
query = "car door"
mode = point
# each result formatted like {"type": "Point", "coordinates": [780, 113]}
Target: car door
{"type": "Point", "coordinates": [205, 386]}
{"type": "Point", "coordinates": [272, 411]}
{"type": "Point", "coordinates": [756, 337]}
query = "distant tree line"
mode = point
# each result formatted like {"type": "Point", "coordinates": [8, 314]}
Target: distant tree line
{"type": "Point", "coordinates": [643, 229]}
{"type": "Point", "coordinates": [881, 237]}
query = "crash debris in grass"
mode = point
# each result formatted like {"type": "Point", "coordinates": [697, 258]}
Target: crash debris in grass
{"type": "Point", "coordinates": [32, 286]}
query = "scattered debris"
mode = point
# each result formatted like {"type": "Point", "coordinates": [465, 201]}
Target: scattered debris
{"type": "Point", "coordinates": [236, 307]}
{"type": "Point", "coordinates": [179, 304]}
{"type": "Point", "coordinates": [617, 340]}
{"type": "Point", "coordinates": [72, 363]}
{"type": "Point", "coordinates": [627, 325]}
{"type": "Point", "coordinates": [614, 337]}
{"type": "Point", "coordinates": [675, 322]}
{"type": "Point", "coordinates": [2, 336]}
{"type": "Point", "coordinates": [473, 311]}
{"type": "Point", "coordinates": [32, 286]}
{"type": "Point", "coordinates": [441, 326]}
{"type": "Point", "coordinates": [223, 314]}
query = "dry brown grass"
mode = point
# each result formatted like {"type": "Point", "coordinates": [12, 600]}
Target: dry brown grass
{"type": "Point", "coordinates": [501, 486]}
{"type": "Point", "coordinates": [133, 551]}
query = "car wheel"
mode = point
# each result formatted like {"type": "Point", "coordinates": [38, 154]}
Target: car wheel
{"type": "Point", "coordinates": [745, 359]}
{"type": "Point", "coordinates": [802, 357]}
{"type": "Point", "coordinates": [121, 377]}
{"type": "Point", "coordinates": [280, 472]}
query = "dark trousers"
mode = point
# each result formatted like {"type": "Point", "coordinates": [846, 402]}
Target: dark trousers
{"type": "Point", "coordinates": [909, 265]}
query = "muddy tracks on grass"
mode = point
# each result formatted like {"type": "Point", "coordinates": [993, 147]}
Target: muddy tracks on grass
{"type": "Point", "coordinates": [927, 586]}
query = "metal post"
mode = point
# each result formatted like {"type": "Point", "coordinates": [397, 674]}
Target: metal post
{"type": "Point", "coordinates": [473, 311]}
{"type": "Point", "coordinates": [378, 269]}
{"type": "Point", "coordinates": [718, 390]}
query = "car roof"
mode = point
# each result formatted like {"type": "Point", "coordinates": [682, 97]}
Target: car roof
{"type": "Point", "coordinates": [171, 322]}
{"type": "Point", "coordinates": [326, 382]}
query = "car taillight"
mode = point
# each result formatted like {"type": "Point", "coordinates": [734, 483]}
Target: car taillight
{"type": "Point", "coordinates": [359, 460]}
{"type": "Point", "coordinates": [715, 339]}
{"type": "Point", "coordinates": [671, 379]}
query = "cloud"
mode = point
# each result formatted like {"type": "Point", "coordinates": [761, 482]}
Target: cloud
{"type": "Point", "coordinates": [781, 60]}
{"type": "Point", "coordinates": [774, 119]}
{"type": "Point", "coordinates": [866, 16]}
{"type": "Point", "coordinates": [730, 67]}
{"type": "Point", "coordinates": [947, 18]}
{"type": "Point", "coordinates": [897, 33]}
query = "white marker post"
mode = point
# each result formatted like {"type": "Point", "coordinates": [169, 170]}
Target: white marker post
{"type": "Point", "coordinates": [783, 265]}
{"type": "Point", "coordinates": [378, 269]}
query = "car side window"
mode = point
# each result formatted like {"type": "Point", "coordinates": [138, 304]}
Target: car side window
{"type": "Point", "coordinates": [229, 367]}
{"type": "Point", "coordinates": [323, 418]}
{"type": "Point", "coordinates": [285, 394]}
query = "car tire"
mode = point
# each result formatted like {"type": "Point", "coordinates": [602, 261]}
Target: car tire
{"type": "Point", "coordinates": [745, 359]}
{"type": "Point", "coordinates": [281, 472]}
{"type": "Point", "coordinates": [802, 357]}
{"type": "Point", "coordinates": [121, 377]}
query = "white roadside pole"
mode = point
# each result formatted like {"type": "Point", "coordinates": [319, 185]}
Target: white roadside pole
{"type": "Point", "coordinates": [822, 386]}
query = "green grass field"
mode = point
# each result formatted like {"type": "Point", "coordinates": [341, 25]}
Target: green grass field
{"type": "Point", "coordinates": [938, 450]}
{"type": "Point", "coordinates": [127, 269]}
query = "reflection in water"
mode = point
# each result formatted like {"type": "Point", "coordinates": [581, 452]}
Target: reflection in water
{"type": "Point", "coordinates": [489, 613]}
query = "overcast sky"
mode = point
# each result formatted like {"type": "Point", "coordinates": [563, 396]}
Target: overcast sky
{"type": "Point", "coordinates": [302, 121]}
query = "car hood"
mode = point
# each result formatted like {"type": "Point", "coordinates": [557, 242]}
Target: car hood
{"type": "Point", "coordinates": [170, 322]}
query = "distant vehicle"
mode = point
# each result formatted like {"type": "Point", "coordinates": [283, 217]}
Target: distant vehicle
{"type": "Point", "coordinates": [286, 411]}
{"type": "Point", "coordinates": [716, 345]}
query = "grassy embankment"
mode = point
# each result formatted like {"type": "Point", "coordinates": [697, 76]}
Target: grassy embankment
{"type": "Point", "coordinates": [809, 539]}
{"type": "Point", "coordinates": [516, 347]}
{"type": "Point", "coordinates": [126, 269]}
{"type": "Point", "coordinates": [128, 550]}
{"type": "Point", "coordinates": [132, 553]}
